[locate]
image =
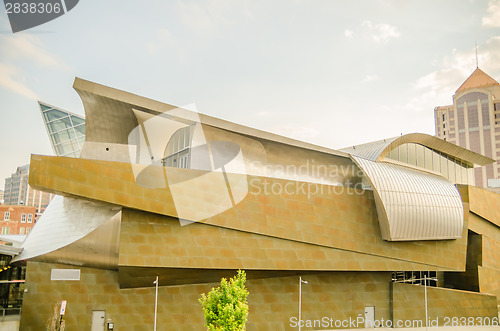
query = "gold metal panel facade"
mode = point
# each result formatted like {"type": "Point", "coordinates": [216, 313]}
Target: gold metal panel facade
{"type": "Point", "coordinates": [414, 205]}
{"type": "Point", "coordinates": [327, 231]}
{"type": "Point", "coordinates": [345, 219]}
{"type": "Point", "coordinates": [443, 304]}
{"type": "Point", "coordinates": [156, 242]}
{"type": "Point", "coordinates": [272, 301]}
{"type": "Point", "coordinates": [91, 93]}
{"type": "Point", "coordinates": [485, 204]}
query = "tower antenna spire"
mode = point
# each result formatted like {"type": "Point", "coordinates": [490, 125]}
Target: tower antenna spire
{"type": "Point", "coordinates": [477, 60]}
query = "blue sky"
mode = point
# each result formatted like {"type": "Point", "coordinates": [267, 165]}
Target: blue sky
{"type": "Point", "coordinates": [334, 73]}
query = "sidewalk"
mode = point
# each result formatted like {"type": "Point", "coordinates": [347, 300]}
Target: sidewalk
{"type": "Point", "coordinates": [442, 328]}
{"type": "Point", "coordinates": [10, 323]}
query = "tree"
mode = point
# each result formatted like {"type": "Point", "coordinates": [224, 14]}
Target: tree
{"type": "Point", "coordinates": [226, 308]}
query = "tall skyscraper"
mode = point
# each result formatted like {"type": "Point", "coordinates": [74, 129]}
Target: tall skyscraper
{"type": "Point", "coordinates": [16, 186]}
{"type": "Point", "coordinates": [17, 191]}
{"type": "Point", "coordinates": [473, 122]}
{"type": "Point", "coordinates": [66, 133]}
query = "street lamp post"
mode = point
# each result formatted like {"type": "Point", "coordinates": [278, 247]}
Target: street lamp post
{"type": "Point", "coordinates": [156, 300]}
{"type": "Point", "coordinates": [425, 294]}
{"type": "Point", "coordinates": [300, 300]}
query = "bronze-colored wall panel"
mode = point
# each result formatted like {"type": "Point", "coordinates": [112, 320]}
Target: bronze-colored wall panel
{"type": "Point", "coordinates": [340, 219]}
{"type": "Point", "coordinates": [484, 227]}
{"type": "Point", "coordinates": [489, 281]}
{"type": "Point", "coordinates": [483, 203]}
{"type": "Point", "coordinates": [107, 120]}
{"type": "Point", "coordinates": [442, 303]}
{"type": "Point", "coordinates": [160, 241]}
{"type": "Point", "coordinates": [491, 253]}
{"type": "Point", "coordinates": [272, 301]}
{"type": "Point", "coordinates": [467, 280]}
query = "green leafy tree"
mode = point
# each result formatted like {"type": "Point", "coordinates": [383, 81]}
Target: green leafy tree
{"type": "Point", "coordinates": [226, 307]}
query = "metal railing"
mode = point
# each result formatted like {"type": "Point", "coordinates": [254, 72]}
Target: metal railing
{"type": "Point", "coordinates": [9, 312]}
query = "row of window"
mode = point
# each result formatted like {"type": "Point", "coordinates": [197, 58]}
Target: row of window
{"type": "Point", "coordinates": [29, 218]}
{"type": "Point", "coordinates": [22, 230]}
{"type": "Point", "coordinates": [472, 101]}
{"type": "Point", "coordinates": [424, 157]}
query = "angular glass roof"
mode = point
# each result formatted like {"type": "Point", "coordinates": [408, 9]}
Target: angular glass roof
{"type": "Point", "coordinates": [65, 130]}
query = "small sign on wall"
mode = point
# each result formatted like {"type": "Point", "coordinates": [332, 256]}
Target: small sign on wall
{"type": "Point", "coordinates": [63, 308]}
{"type": "Point", "coordinates": [65, 274]}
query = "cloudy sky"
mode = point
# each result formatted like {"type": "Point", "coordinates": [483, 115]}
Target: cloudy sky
{"type": "Point", "coordinates": [334, 73]}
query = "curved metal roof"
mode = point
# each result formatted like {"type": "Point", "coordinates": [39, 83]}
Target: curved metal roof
{"type": "Point", "coordinates": [378, 150]}
{"type": "Point", "coordinates": [413, 204]}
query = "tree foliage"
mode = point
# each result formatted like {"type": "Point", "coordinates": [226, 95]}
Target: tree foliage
{"type": "Point", "coordinates": [226, 308]}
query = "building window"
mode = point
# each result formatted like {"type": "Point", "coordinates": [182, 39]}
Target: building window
{"type": "Point", "coordinates": [415, 277]}
{"type": "Point", "coordinates": [21, 230]}
{"type": "Point", "coordinates": [178, 150]}
{"type": "Point", "coordinates": [444, 117]}
{"type": "Point", "coordinates": [28, 230]}
{"type": "Point", "coordinates": [5, 230]}
{"type": "Point", "coordinates": [6, 216]}
{"type": "Point", "coordinates": [23, 218]}
{"type": "Point", "coordinates": [30, 218]}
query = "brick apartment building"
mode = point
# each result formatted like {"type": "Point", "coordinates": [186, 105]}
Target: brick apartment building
{"type": "Point", "coordinates": [17, 219]}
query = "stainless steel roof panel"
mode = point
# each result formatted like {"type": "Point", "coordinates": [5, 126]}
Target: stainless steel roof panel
{"type": "Point", "coordinates": [412, 204]}
{"type": "Point", "coordinates": [65, 221]}
{"type": "Point", "coordinates": [378, 150]}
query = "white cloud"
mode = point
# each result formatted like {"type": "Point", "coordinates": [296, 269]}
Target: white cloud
{"type": "Point", "coordinates": [382, 32]}
{"type": "Point", "coordinates": [437, 88]}
{"type": "Point", "coordinates": [348, 33]}
{"type": "Point", "coordinates": [492, 17]}
{"type": "Point", "coordinates": [369, 78]}
{"type": "Point", "coordinates": [458, 66]}
{"type": "Point", "coordinates": [7, 80]}
{"type": "Point", "coordinates": [25, 46]}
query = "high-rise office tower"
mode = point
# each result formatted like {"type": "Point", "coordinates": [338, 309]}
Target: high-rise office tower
{"type": "Point", "coordinates": [66, 133]}
{"type": "Point", "coordinates": [473, 122]}
{"type": "Point", "coordinates": [16, 186]}
{"type": "Point", "coordinates": [17, 191]}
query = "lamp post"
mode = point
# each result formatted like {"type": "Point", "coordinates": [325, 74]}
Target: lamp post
{"type": "Point", "coordinates": [300, 300]}
{"type": "Point", "coordinates": [156, 300]}
{"type": "Point", "coordinates": [425, 295]}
